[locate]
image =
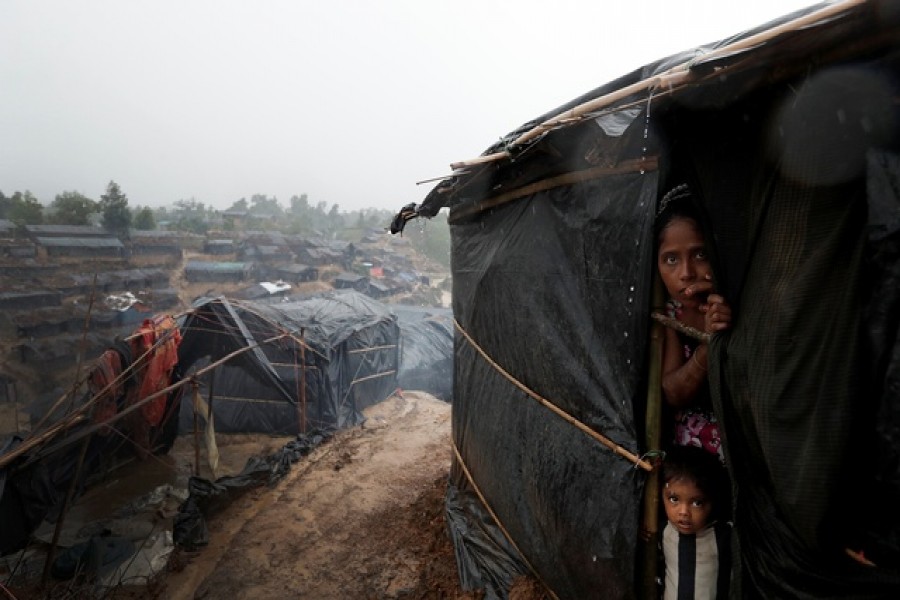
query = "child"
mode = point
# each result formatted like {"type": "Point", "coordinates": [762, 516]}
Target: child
{"type": "Point", "coordinates": [686, 272]}
{"type": "Point", "coordinates": [695, 540]}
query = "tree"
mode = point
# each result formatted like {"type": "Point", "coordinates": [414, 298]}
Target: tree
{"type": "Point", "coordinates": [191, 215]}
{"type": "Point", "coordinates": [299, 205]}
{"type": "Point", "coordinates": [239, 206]}
{"type": "Point", "coordinates": [114, 208]}
{"type": "Point", "coordinates": [263, 206]}
{"type": "Point", "coordinates": [25, 209]}
{"type": "Point", "coordinates": [72, 208]}
{"type": "Point", "coordinates": [144, 219]}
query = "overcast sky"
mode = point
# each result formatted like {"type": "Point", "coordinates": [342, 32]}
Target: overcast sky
{"type": "Point", "coordinates": [350, 102]}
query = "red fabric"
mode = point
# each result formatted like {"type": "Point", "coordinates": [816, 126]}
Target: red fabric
{"type": "Point", "coordinates": [155, 369]}
{"type": "Point", "coordinates": [106, 372]}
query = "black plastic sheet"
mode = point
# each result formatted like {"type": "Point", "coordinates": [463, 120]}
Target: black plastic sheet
{"type": "Point", "coordinates": [208, 497]}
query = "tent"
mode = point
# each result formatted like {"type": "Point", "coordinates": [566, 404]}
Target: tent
{"type": "Point", "coordinates": [789, 135]}
{"type": "Point", "coordinates": [341, 355]}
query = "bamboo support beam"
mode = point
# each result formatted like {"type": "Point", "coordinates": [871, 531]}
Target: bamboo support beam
{"type": "Point", "coordinates": [195, 398]}
{"type": "Point", "coordinates": [302, 380]}
{"type": "Point", "coordinates": [653, 443]}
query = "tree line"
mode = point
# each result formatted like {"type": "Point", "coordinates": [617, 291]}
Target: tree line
{"type": "Point", "coordinates": [259, 212]}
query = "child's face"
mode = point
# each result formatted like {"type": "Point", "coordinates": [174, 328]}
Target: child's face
{"type": "Point", "coordinates": [682, 259]}
{"type": "Point", "coordinates": [687, 508]}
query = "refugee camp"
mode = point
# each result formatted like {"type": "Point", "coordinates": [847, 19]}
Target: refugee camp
{"type": "Point", "coordinates": [642, 345]}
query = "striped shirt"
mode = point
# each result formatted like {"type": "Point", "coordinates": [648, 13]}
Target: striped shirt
{"type": "Point", "coordinates": [698, 567]}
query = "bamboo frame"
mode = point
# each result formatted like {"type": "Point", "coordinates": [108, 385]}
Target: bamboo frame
{"type": "Point", "coordinates": [653, 441]}
{"type": "Point", "coordinates": [628, 166]}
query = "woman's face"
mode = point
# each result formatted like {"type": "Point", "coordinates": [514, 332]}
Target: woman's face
{"type": "Point", "coordinates": [682, 259]}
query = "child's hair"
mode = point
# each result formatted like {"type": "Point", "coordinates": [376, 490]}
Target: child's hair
{"type": "Point", "coordinates": [703, 469]}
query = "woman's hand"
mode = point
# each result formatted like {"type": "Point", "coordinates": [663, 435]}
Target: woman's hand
{"type": "Point", "coordinates": [717, 314]}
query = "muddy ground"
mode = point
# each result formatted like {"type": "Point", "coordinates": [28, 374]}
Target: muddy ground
{"type": "Point", "coordinates": [361, 517]}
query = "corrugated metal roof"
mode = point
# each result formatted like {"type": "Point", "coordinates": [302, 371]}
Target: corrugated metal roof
{"type": "Point", "coordinates": [67, 230]}
{"type": "Point", "coordinates": [79, 242]}
{"type": "Point", "coordinates": [217, 267]}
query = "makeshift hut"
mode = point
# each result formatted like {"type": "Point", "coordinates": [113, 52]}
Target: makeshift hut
{"type": "Point", "coordinates": [788, 133]}
{"type": "Point", "coordinates": [65, 231]}
{"type": "Point", "coordinates": [351, 281]}
{"type": "Point", "coordinates": [296, 273]}
{"type": "Point", "coordinates": [30, 299]}
{"type": "Point", "coordinates": [219, 247]}
{"type": "Point", "coordinates": [340, 355]}
{"type": "Point", "coordinates": [88, 246]}
{"type": "Point", "coordinates": [196, 271]}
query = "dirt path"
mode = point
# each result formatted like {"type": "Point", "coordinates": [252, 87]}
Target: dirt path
{"type": "Point", "coordinates": [361, 517]}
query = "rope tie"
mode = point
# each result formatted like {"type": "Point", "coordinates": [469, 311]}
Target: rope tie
{"type": "Point", "coordinates": [616, 449]}
{"type": "Point", "coordinates": [487, 507]}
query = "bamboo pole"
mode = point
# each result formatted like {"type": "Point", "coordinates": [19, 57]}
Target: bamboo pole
{"type": "Point", "coordinates": [51, 552]}
{"type": "Point", "coordinates": [653, 442]}
{"type": "Point", "coordinates": [71, 393]}
{"type": "Point", "coordinates": [212, 448]}
{"type": "Point", "coordinates": [196, 402]}
{"type": "Point", "coordinates": [677, 76]}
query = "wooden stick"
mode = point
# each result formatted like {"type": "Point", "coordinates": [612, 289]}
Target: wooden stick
{"type": "Point", "coordinates": [64, 509]}
{"type": "Point", "coordinates": [37, 440]}
{"type": "Point", "coordinates": [302, 380]}
{"type": "Point", "coordinates": [195, 399]}
{"type": "Point", "coordinates": [497, 521]}
{"type": "Point", "coordinates": [680, 327]}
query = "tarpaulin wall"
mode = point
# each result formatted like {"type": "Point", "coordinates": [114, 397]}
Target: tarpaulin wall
{"type": "Point", "coordinates": [554, 289]}
{"type": "Point", "coordinates": [426, 351]}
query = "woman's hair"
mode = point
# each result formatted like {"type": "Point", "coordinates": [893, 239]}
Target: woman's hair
{"type": "Point", "coordinates": [703, 469]}
{"type": "Point", "coordinates": [679, 202]}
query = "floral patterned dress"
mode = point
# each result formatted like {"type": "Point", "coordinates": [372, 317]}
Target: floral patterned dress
{"type": "Point", "coordinates": [697, 425]}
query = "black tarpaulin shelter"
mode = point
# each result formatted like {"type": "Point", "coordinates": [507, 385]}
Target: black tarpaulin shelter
{"type": "Point", "coordinates": [343, 345]}
{"type": "Point", "coordinates": [788, 133]}
{"type": "Point", "coordinates": [426, 350]}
